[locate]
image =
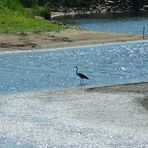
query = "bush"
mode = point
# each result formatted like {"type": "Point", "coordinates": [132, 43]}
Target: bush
{"type": "Point", "coordinates": [45, 12]}
{"type": "Point", "coordinates": [28, 3]}
{"type": "Point", "coordinates": [11, 4]}
{"type": "Point", "coordinates": [42, 2]}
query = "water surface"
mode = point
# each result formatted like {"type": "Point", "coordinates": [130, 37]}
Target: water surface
{"type": "Point", "coordinates": [103, 64]}
{"type": "Point", "coordinates": [115, 24]}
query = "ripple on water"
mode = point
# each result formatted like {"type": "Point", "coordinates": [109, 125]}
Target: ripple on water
{"type": "Point", "coordinates": [103, 64]}
{"type": "Point", "coordinates": [118, 25]}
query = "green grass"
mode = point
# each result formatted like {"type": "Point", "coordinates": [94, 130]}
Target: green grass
{"type": "Point", "coordinates": [16, 19]}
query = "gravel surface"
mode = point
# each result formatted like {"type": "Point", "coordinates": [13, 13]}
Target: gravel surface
{"type": "Point", "coordinates": [113, 116]}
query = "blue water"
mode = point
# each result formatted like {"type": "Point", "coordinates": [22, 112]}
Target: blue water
{"type": "Point", "coordinates": [130, 25]}
{"type": "Point", "coordinates": [103, 64]}
{"type": "Point", "coordinates": [6, 142]}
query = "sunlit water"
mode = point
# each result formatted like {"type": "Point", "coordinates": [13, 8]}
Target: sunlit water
{"type": "Point", "coordinates": [103, 64]}
{"type": "Point", "coordinates": [132, 25]}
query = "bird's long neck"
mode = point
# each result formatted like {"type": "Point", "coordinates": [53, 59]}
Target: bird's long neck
{"type": "Point", "coordinates": [77, 70]}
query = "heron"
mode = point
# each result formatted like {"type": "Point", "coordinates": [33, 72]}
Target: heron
{"type": "Point", "coordinates": [82, 76]}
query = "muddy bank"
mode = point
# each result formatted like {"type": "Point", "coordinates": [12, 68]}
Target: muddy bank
{"type": "Point", "coordinates": [136, 88]}
{"type": "Point", "coordinates": [139, 88]}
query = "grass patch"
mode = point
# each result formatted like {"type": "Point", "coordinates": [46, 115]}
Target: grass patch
{"type": "Point", "coordinates": [16, 19]}
{"type": "Point", "coordinates": [13, 23]}
{"type": "Point", "coordinates": [18, 23]}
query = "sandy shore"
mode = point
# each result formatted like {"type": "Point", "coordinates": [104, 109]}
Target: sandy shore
{"type": "Point", "coordinates": [113, 116]}
{"type": "Point", "coordinates": [67, 38]}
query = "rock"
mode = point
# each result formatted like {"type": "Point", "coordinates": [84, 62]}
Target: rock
{"type": "Point", "coordinates": [145, 7]}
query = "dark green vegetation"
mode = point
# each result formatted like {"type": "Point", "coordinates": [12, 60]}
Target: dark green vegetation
{"type": "Point", "coordinates": [14, 17]}
{"type": "Point", "coordinates": [134, 5]}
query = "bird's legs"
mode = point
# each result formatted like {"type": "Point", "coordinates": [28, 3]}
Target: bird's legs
{"type": "Point", "coordinates": [81, 81]}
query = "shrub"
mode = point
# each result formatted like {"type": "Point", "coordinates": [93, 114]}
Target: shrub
{"type": "Point", "coordinates": [11, 4]}
{"type": "Point", "coordinates": [28, 3]}
{"type": "Point", "coordinates": [45, 12]}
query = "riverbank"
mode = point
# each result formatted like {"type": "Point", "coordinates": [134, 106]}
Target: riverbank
{"type": "Point", "coordinates": [59, 39]}
{"type": "Point", "coordinates": [81, 117]}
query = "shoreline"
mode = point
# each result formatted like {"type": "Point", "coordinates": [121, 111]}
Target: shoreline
{"type": "Point", "coordinates": [133, 87]}
{"type": "Point", "coordinates": [62, 39]}
{"type": "Point", "coordinates": [129, 89]}
{"type": "Point", "coordinates": [72, 47]}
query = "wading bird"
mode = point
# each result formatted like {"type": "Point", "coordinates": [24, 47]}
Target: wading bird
{"type": "Point", "coordinates": [82, 76]}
